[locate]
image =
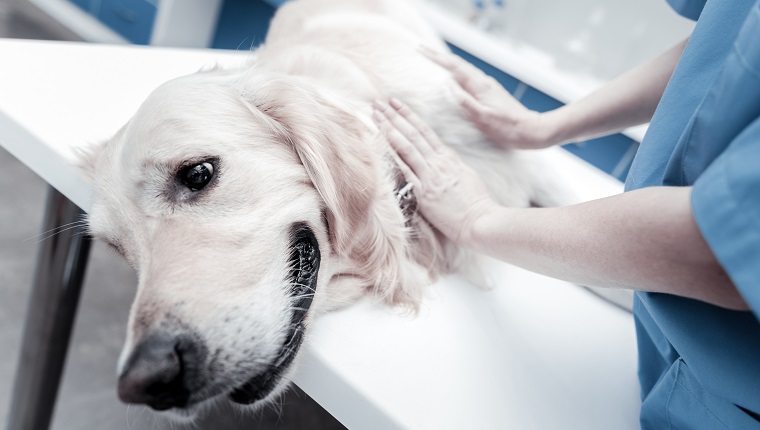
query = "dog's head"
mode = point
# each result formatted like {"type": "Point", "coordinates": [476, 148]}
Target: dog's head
{"type": "Point", "coordinates": [236, 199]}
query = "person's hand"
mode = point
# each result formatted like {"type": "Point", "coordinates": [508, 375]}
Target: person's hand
{"type": "Point", "coordinates": [501, 118]}
{"type": "Point", "coordinates": [450, 194]}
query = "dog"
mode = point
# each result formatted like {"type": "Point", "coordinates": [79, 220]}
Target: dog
{"type": "Point", "coordinates": [250, 201]}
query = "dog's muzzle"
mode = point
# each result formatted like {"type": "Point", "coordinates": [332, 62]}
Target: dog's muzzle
{"type": "Point", "coordinates": [166, 371]}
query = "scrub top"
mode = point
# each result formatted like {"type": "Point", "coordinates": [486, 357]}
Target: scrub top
{"type": "Point", "coordinates": [699, 365]}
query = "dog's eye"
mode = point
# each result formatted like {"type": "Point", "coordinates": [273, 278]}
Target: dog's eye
{"type": "Point", "coordinates": [196, 176]}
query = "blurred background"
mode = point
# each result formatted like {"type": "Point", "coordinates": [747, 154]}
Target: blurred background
{"type": "Point", "coordinates": [546, 52]}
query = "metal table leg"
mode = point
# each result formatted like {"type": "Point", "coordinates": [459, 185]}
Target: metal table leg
{"type": "Point", "coordinates": [61, 262]}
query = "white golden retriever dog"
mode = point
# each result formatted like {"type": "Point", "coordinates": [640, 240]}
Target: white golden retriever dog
{"type": "Point", "coordinates": [250, 201]}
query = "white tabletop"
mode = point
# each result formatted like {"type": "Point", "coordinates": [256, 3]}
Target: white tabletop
{"type": "Point", "coordinates": [532, 353]}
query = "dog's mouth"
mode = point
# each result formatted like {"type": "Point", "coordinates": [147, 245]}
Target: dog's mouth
{"type": "Point", "coordinates": [260, 386]}
{"type": "Point", "coordinates": [304, 262]}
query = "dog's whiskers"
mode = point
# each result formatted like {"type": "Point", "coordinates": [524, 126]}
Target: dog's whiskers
{"type": "Point", "coordinates": [62, 228]}
{"type": "Point", "coordinates": [157, 422]}
{"type": "Point", "coordinates": [62, 231]}
{"type": "Point", "coordinates": [296, 284]}
{"type": "Point", "coordinates": [290, 349]}
{"type": "Point", "coordinates": [293, 307]}
{"type": "Point", "coordinates": [278, 402]}
{"type": "Point", "coordinates": [127, 416]}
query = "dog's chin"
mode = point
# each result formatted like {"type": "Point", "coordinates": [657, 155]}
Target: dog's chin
{"type": "Point", "coordinates": [241, 398]}
{"type": "Point", "coordinates": [260, 387]}
{"type": "Point", "coordinates": [187, 415]}
{"type": "Point", "coordinates": [184, 415]}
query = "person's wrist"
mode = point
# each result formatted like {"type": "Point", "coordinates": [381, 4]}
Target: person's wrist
{"type": "Point", "coordinates": [479, 226]}
{"type": "Point", "coordinates": [540, 130]}
{"type": "Point", "coordinates": [550, 128]}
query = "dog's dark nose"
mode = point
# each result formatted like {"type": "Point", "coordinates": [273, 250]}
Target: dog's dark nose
{"type": "Point", "coordinates": [154, 375]}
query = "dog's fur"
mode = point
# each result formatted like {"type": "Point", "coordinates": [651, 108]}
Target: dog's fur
{"type": "Point", "coordinates": [294, 142]}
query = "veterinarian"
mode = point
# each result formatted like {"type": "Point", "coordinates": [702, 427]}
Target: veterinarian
{"type": "Point", "coordinates": [685, 234]}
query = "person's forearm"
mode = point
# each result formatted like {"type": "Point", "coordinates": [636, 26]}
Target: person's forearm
{"type": "Point", "coordinates": [628, 100]}
{"type": "Point", "coordinates": [645, 240]}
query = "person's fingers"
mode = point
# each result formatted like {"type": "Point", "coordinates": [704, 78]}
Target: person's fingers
{"type": "Point", "coordinates": [407, 151]}
{"type": "Point", "coordinates": [475, 84]}
{"type": "Point", "coordinates": [423, 129]}
{"type": "Point", "coordinates": [446, 60]}
{"type": "Point", "coordinates": [406, 128]}
{"type": "Point", "coordinates": [469, 77]}
{"type": "Point", "coordinates": [408, 174]}
{"type": "Point", "coordinates": [472, 107]}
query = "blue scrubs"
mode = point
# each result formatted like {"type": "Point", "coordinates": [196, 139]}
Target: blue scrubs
{"type": "Point", "coordinates": [699, 365]}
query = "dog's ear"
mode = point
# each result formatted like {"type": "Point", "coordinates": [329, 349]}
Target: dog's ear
{"type": "Point", "coordinates": [328, 142]}
{"type": "Point", "coordinates": [87, 158]}
{"type": "Point", "coordinates": [336, 150]}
